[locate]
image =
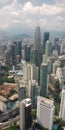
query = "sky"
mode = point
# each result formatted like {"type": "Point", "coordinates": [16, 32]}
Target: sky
{"type": "Point", "coordinates": [25, 15]}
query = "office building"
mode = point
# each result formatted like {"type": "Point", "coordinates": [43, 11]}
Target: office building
{"type": "Point", "coordinates": [62, 105]}
{"type": "Point", "coordinates": [44, 59]}
{"type": "Point", "coordinates": [22, 90]}
{"type": "Point", "coordinates": [47, 60]}
{"type": "Point", "coordinates": [18, 45]}
{"type": "Point", "coordinates": [37, 39]}
{"type": "Point", "coordinates": [45, 112]}
{"type": "Point", "coordinates": [7, 57]}
{"type": "Point", "coordinates": [60, 77]}
{"type": "Point", "coordinates": [34, 91]}
{"type": "Point", "coordinates": [56, 65]}
{"type": "Point", "coordinates": [36, 54]}
{"type": "Point", "coordinates": [30, 72]}
{"type": "Point", "coordinates": [48, 48]}
{"type": "Point", "coordinates": [27, 52]}
{"type": "Point", "coordinates": [43, 79]}
{"type": "Point", "coordinates": [13, 54]}
{"type": "Point", "coordinates": [49, 63]}
{"type": "Point", "coordinates": [36, 57]}
{"type": "Point", "coordinates": [46, 38]}
{"type": "Point", "coordinates": [56, 47]}
{"type": "Point", "coordinates": [19, 48]}
{"type": "Point", "coordinates": [25, 114]}
{"type": "Point", "coordinates": [34, 72]}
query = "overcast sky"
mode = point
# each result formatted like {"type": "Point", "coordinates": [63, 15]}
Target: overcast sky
{"type": "Point", "coordinates": [24, 15]}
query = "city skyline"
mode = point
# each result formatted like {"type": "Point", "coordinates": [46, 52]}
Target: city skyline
{"type": "Point", "coordinates": [23, 16]}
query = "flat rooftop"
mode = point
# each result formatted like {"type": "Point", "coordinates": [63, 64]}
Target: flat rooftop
{"type": "Point", "coordinates": [2, 98]}
{"type": "Point", "coordinates": [46, 101]}
{"type": "Point", "coordinates": [15, 96]}
{"type": "Point", "coordinates": [26, 102]}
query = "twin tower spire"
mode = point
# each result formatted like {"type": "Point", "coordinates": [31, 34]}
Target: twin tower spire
{"type": "Point", "coordinates": [37, 39]}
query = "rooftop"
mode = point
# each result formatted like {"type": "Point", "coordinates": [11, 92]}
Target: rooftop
{"type": "Point", "coordinates": [44, 64]}
{"type": "Point", "coordinates": [46, 101]}
{"type": "Point", "coordinates": [2, 98]}
{"type": "Point", "coordinates": [26, 102]}
{"type": "Point", "coordinates": [15, 96]}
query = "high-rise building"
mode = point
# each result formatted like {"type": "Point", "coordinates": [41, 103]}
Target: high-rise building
{"type": "Point", "coordinates": [62, 105]}
{"type": "Point", "coordinates": [60, 77]}
{"type": "Point", "coordinates": [7, 57]}
{"type": "Point", "coordinates": [44, 59]}
{"type": "Point", "coordinates": [30, 72]}
{"type": "Point", "coordinates": [45, 112]}
{"type": "Point", "coordinates": [25, 114]}
{"type": "Point", "coordinates": [27, 52]}
{"type": "Point", "coordinates": [36, 57]}
{"type": "Point", "coordinates": [56, 65]}
{"type": "Point", "coordinates": [43, 79]}
{"type": "Point", "coordinates": [48, 61]}
{"type": "Point", "coordinates": [46, 38]}
{"type": "Point", "coordinates": [22, 90]}
{"type": "Point", "coordinates": [49, 65]}
{"type": "Point", "coordinates": [37, 39]}
{"type": "Point", "coordinates": [36, 54]}
{"type": "Point", "coordinates": [19, 48]}
{"type": "Point", "coordinates": [34, 91]}
{"type": "Point", "coordinates": [48, 48]}
{"type": "Point", "coordinates": [13, 54]}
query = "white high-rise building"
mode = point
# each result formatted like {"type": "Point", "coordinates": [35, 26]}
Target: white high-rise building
{"type": "Point", "coordinates": [34, 72]}
{"type": "Point", "coordinates": [59, 75]}
{"type": "Point", "coordinates": [44, 60]}
{"type": "Point", "coordinates": [62, 105]}
{"type": "Point", "coordinates": [30, 72]}
{"type": "Point", "coordinates": [25, 114]}
{"type": "Point", "coordinates": [45, 112]}
{"type": "Point", "coordinates": [56, 64]}
{"type": "Point", "coordinates": [48, 48]}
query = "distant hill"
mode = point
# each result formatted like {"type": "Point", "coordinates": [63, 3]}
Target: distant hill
{"type": "Point", "coordinates": [23, 35]}
{"type": "Point", "coordinates": [9, 36]}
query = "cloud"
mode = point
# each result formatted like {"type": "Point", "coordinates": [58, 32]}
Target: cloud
{"type": "Point", "coordinates": [16, 14]}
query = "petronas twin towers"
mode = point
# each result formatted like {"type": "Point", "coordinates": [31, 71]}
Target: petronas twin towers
{"type": "Point", "coordinates": [37, 39]}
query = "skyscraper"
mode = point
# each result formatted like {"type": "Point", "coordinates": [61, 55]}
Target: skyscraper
{"type": "Point", "coordinates": [34, 91]}
{"type": "Point", "coordinates": [62, 105]}
{"type": "Point", "coordinates": [30, 72]}
{"type": "Point", "coordinates": [18, 46]}
{"type": "Point", "coordinates": [46, 37]}
{"type": "Point", "coordinates": [7, 57]}
{"type": "Point", "coordinates": [37, 39]}
{"type": "Point", "coordinates": [43, 79]}
{"type": "Point", "coordinates": [25, 114]}
{"type": "Point", "coordinates": [13, 54]}
{"type": "Point", "coordinates": [45, 112]}
{"type": "Point", "coordinates": [36, 57]}
{"type": "Point", "coordinates": [36, 54]}
{"type": "Point", "coordinates": [48, 48]}
{"type": "Point", "coordinates": [22, 90]}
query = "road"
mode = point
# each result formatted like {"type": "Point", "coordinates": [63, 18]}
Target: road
{"type": "Point", "coordinates": [9, 122]}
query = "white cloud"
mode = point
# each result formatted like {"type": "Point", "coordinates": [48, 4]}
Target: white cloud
{"type": "Point", "coordinates": [28, 14]}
